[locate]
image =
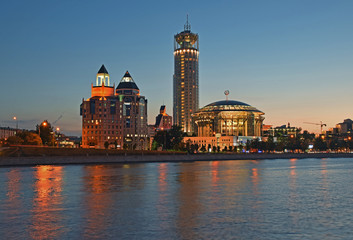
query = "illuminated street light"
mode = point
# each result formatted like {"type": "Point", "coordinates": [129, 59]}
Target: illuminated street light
{"type": "Point", "coordinates": [44, 124]}
{"type": "Point", "coordinates": [15, 118]}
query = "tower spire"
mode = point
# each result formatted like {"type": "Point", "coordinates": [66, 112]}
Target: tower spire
{"type": "Point", "coordinates": [187, 26]}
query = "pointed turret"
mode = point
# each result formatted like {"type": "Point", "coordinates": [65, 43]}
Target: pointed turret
{"type": "Point", "coordinates": [127, 82]}
{"type": "Point", "coordinates": [103, 70]}
{"type": "Point", "coordinates": [102, 87]}
{"type": "Point", "coordinates": [127, 75]}
{"type": "Point", "coordinates": [103, 77]}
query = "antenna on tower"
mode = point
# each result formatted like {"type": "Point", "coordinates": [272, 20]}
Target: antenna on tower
{"type": "Point", "coordinates": [187, 26]}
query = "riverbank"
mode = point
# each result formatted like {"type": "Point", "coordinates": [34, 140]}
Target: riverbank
{"type": "Point", "coordinates": [92, 156]}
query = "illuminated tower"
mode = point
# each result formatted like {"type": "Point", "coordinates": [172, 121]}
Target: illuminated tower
{"type": "Point", "coordinates": [186, 78]}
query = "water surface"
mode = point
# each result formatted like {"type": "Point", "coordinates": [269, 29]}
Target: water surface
{"type": "Point", "coordinates": [264, 199]}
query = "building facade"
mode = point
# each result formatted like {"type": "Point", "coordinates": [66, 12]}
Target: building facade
{"type": "Point", "coordinates": [226, 123]}
{"type": "Point", "coordinates": [186, 78]}
{"type": "Point", "coordinates": [345, 127]}
{"type": "Point", "coordinates": [163, 120]}
{"type": "Point", "coordinates": [114, 118]}
{"type": "Point", "coordinates": [228, 118]}
{"type": "Point", "coordinates": [6, 132]}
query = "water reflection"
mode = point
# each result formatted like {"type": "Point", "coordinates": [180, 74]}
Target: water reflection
{"type": "Point", "coordinates": [13, 200]}
{"type": "Point", "coordinates": [190, 207]}
{"type": "Point", "coordinates": [293, 193]}
{"type": "Point", "coordinates": [13, 187]}
{"type": "Point", "coordinates": [98, 183]}
{"type": "Point", "coordinates": [47, 203]}
{"type": "Point", "coordinates": [269, 199]}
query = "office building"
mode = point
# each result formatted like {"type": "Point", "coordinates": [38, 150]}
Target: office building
{"type": "Point", "coordinates": [114, 118]}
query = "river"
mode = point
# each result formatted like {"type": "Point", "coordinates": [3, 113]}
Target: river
{"type": "Point", "coordinates": [249, 199]}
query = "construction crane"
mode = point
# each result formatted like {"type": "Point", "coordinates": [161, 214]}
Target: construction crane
{"type": "Point", "coordinates": [57, 119]}
{"type": "Point", "coordinates": [321, 124]}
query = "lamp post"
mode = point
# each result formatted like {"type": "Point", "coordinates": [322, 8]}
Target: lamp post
{"type": "Point", "coordinates": [58, 134]}
{"type": "Point", "coordinates": [15, 118]}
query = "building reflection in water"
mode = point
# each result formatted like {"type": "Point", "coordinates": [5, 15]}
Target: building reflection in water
{"type": "Point", "coordinates": [293, 197]}
{"type": "Point", "coordinates": [97, 202]}
{"type": "Point", "coordinates": [162, 179]}
{"type": "Point", "coordinates": [190, 206]}
{"type": "Point", "coordinates": [103, 186]}
{"type": "Point", "coordinates": [214, 172]}
{"type": "Point", "coordinates": [47, 203]}
{"type": "Point", "coordinates": [324, 183]}
{"type": "Point", "coordinates": [163, 204]}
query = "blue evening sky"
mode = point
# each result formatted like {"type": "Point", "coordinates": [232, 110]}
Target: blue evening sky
{"type": "Point", "coordinates": [290, 59]}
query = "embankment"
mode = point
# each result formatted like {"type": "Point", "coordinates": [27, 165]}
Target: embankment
{"type": "Point", "coordinates": [39, 156]}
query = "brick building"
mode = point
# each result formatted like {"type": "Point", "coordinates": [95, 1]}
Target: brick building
{"type": "Point", "coordinates": [116, 118]}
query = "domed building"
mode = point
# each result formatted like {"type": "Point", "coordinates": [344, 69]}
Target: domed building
{"type": "Point", "coordinates": [226, 124]}
{"type": "Point", "coordinates": [228, 118]}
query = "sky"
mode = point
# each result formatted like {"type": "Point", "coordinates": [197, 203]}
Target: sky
{"type": "Point", "coordinates": [290, 59]}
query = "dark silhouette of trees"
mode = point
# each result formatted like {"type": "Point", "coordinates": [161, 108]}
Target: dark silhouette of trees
{"type": "Point", "coordinates": [46, 133]}
{"type": "Point", "coordinates": [170, 139]}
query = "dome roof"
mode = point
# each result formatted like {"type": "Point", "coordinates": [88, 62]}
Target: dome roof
{"type": "Point", "coordinates": [229, 105]}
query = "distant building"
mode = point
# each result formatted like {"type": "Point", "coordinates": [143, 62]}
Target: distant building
{"type": "Point", "coordinates": [163, 120]}
{"type": "Point", "coordinates": [284, 130]}
{"type": "Point", "coordinates": [344, 127]}
{"type": "Point", "coordinates": [114, 117]}
{"type": "Point", "coordinates": [186, 78]}
{"type": "Point", "coordinates": [7, 132]}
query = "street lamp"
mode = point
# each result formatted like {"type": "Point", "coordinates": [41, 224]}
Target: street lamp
{"type": "Point", "coordinates": [58, 135]}
{"type": "Point", "coordinates": [15, 118]}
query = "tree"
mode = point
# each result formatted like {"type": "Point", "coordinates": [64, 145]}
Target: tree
{"type": "Point", "coordinates": [214, 149]}
{"type": "Point", "coordinates": [320, 144]}
{"type": "Point", "coordinates": [203, 148]}
{"type": "Point", "coordinates": [31, 138]}
{"type": "Point", "coordinates": [14, 140]}
{"type": "Point", "coordinates": [176, 136]}
{"type": "Point", "coordinates": [45, 131]}
{"type": "Point", "coordinates": [170, 139]}
{"type": "Point", "coordinates": [155, 145]}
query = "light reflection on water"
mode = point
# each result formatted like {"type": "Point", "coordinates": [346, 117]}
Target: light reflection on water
{"type": "Point", "coordinates": [268, 199]}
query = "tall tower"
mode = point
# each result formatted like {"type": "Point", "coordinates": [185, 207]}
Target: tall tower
{"type": "Point", "coordinates": [186, 78]}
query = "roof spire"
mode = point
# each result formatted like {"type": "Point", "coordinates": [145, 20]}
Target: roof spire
{"type": "Point", "coordinates": [103, 70]}
{"type": "Point", "coordinates": [187, 26]}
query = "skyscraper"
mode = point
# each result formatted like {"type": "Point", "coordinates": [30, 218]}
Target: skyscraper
{"type": "Point", "coordinates": [186, 78]}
